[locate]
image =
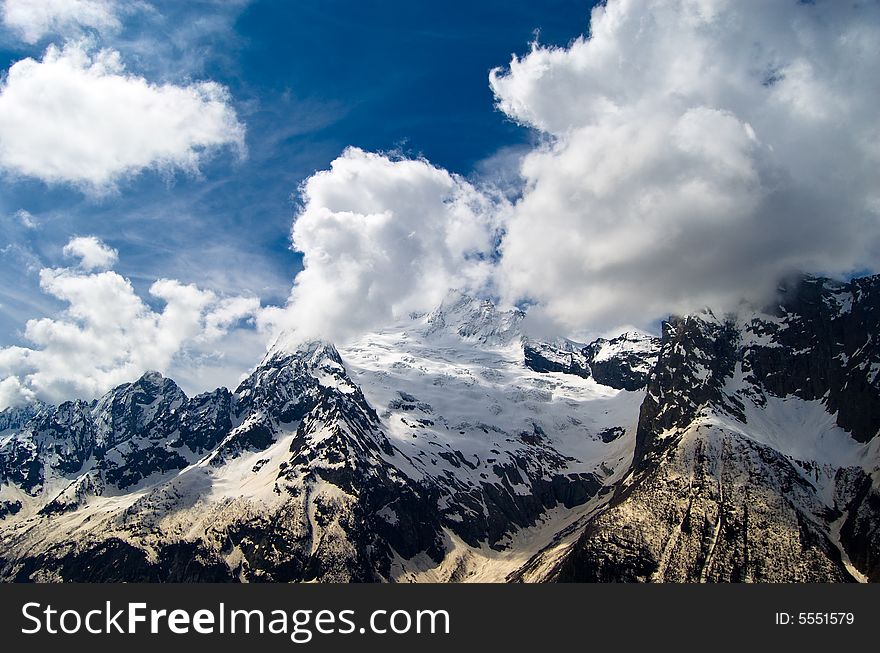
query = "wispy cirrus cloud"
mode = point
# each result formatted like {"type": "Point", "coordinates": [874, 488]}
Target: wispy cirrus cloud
{"type": "Point", "coordinates": [33, 20]}
{"type": "Point", "coordinates": [26, 219]}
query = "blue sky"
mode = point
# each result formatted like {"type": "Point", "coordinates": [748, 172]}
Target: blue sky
{"type": "Point", "coordinates": [307, 78]}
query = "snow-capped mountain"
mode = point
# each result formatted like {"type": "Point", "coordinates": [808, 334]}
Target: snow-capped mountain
{"type": "Point", "coordinates": [623, 362]}
{"type": "Point", "coordinates": [756, 455]}
{"type": "Point", "coordinates": [449, 447]}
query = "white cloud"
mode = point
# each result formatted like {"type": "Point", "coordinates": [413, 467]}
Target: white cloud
{"type": "Point", "coordinates": [93, 254]}
{"type": "Point", "coordinates": [108, 335]}
{"type": "Point", "coordinates": [13, 394]}
{"type": "Point", "coordinates": [382, 237]}
{"type": "Point", "coordinates": [34, 19]}
{"type": "Point", "coordinates": [78, 117]}
{"type": "Point", "coordinates": [693, 153]}
{"type": "Point", "coordinates": [696, 151]}
{"type": "Point", "coordinates": [26, 219]}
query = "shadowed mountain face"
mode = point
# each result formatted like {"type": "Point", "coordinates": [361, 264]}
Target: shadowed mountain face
{"type": "Point", "coordinates": [451, 448]}
{"type": "Point", "coordinates": [756, 456]}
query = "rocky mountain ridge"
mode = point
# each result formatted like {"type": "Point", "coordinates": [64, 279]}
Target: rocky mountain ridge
{"type": "Point", "coordinates": [451, 447]}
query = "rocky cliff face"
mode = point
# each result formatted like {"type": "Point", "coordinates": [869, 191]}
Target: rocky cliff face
{"type": "Point", "coordinates": [756, 455]}
{"type": "Point", "coordinates": [448, 447]}
{"type": "Point", "coordinates": [623, 362]}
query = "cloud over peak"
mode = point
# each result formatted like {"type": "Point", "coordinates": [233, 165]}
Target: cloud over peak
{"type": "Point", "coordinates": [696, 152]}
{"type": "Point", "coordinates": [691, 153]}
{"type": "Point", "coordinates": [76, 116]}
{"type": "Point", "coordinates": [383, 236]}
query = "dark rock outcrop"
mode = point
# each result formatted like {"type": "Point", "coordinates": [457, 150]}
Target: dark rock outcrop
{"type": "Point", "coordinates": [623, 363]}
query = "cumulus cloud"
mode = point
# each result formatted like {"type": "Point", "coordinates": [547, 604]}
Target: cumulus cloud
{"type": "Point", "coordinates": [76, 116]}
{"type": "Point", "coordinates": [92, 253]}
{"type": "Point", "coordinates": [696, 151]}
{"type": "Point", "coordinates": [693, 153]}
{"type": "Point", "coordinates": [108, 335]}
{"type": "Point", "coordinates": [34, 19]}
{"type": "Point", "coordinates": [381, 237]}
{"type": "Point", "coordinates": [13, 394]}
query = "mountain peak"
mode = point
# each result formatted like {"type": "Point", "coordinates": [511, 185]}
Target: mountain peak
{"type": "Point", "coordinates": [623, 362]}
{"type": "Point", "coordinates": [627, 343]}
{"type": "Point", "coordinates": [311, 352]}
{"type": "Point", "coordinates": [360, 466]}
{"type": "Point", "coordinates": [17, 416]}
{"type": "Point", "coordinates": [151, 384]}
{"type": "Point", "coordinates": [475, 319]}
{"type": "Point", "coordinates": [151, 379]}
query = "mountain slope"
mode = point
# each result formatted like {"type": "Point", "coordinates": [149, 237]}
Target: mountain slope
{"type": "Point", "coordinates": [449, 447]}
{"type": "Point", "coordinates": [756, 455]}
{"type": "Point", "coordinates": [423, 451]}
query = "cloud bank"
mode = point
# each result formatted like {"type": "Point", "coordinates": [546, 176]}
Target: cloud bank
{"type": "Point", "coordinates": [78, 117]}
{"type": "Point", "coordinates": [34, 19]}
{"type": "Point", "coordinates": [697, 151]}
{"type": "Point", "coordinates": [108, 335]}
{"type": "Point", "coordinates": [693, 153]}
